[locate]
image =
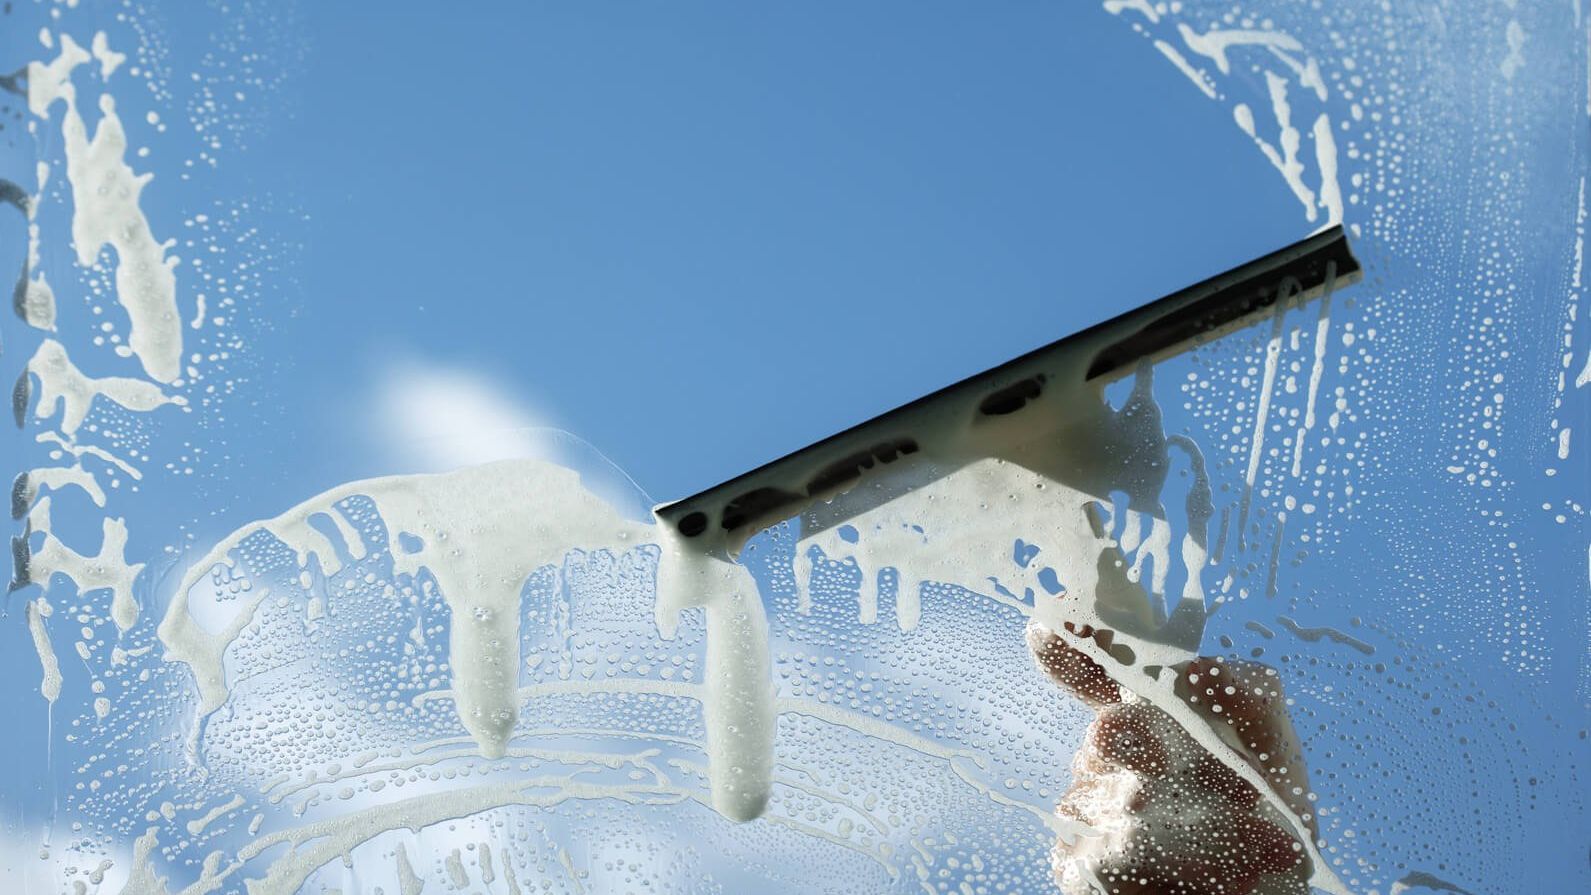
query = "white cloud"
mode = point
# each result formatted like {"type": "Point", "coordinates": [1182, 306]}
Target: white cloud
{"type": "Point", "coordinates": [433, 418]}
{"type": "Point", "coordinates": [438, 418]}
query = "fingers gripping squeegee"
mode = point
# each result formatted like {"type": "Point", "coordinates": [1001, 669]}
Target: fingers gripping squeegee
{"type": "Point", "coordinates": [1026, 410]}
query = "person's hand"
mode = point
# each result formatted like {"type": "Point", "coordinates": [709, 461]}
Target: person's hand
{"type": "Point", "coordinates": [1169, 817]}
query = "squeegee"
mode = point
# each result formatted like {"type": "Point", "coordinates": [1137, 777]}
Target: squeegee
{"type": "Point", "coordinates": [1043, 413]}
{"type": "Point", "coordinates": [1037, 398]}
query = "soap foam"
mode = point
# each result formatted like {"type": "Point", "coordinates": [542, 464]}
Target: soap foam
{"type": "Point", "coordinates": [63, 387]}
{"type": "Point", "coordinates": [105, 193]}
{"type": "Point", "coordinates": [108, 570]}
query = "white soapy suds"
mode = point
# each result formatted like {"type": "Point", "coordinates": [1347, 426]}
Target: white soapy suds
{"type": "Point", "coordinates": [480, 551]}
{"type": "Point", "coordinates": [1285, 159]}
{"type": "Point", "coordinates": [1273, 351]}
{"type": "Point", "coordinates": [1156, 547]}
{"type": "Point", "coordinates": [888, 534]}
{"type": "Point", "coordinates": [1215, 43]}
{"type": "Point", "coordinates": [1143, 7]}
{"type": "Point", "coordinates": [195, 827]}
{"type": "Point", "coordinates": [142, 878]}
{"type": "Point", "coordinates": [38, 299]}
{"type": "Point", "coordinates": [108, 570]}
{"type": "Point", "coordinates": [82, 450]}
{"type": "Point", "coordinates": [105, 195]}
{"type": "Point", "coordinates": [1579, 238]}
{"type": "Point", "coordinates": [455, 869]}
{"type": "Point", "coordinates": [50, 81]}
{"type": "Point", "coordinates": [488, 873]}
{"type": "Point", "coordinates": [1194, 557]}
{"type": "Point", "coordinates": [38, 303]}
{"type": "Point", "coordinates": [62, 386]}
{"type": "Point", "coordinates": [55, 478]}
{"type": "Point", "coordinates": [109, 60]}
{"type": "Point", "coordinates": [1197, 76]}
{"type": "Point", "coordinates": [190, 643]}
{"type": "Point", "coordinates": [484, 530]}
{"type": "Point", "coordinates": [1307, 72]}
{"type": "Point", "coordinates": [1316, 370]}
{"type": "Point", "coordinates": [408, 883]}
{"type": "Point", "coordinates": [739, 709]}
{"type": "Point", "coordinates": [1326, 160]}
{"type": "Point", "coordinates": [38, 610]}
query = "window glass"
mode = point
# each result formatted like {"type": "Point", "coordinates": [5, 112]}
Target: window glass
{"type": "Point", "coordinates": [352, 351]}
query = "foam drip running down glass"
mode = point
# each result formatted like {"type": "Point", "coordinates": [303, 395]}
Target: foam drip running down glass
{"type": "Point", "coordinates": [297, 607]}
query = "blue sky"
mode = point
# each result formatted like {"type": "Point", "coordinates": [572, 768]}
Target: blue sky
{"type": "Point", "coordinates": [699, 237]}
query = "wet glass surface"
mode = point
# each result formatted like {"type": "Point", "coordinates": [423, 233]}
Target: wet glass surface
{"type": "Point", "coordinates": [352, 351]}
